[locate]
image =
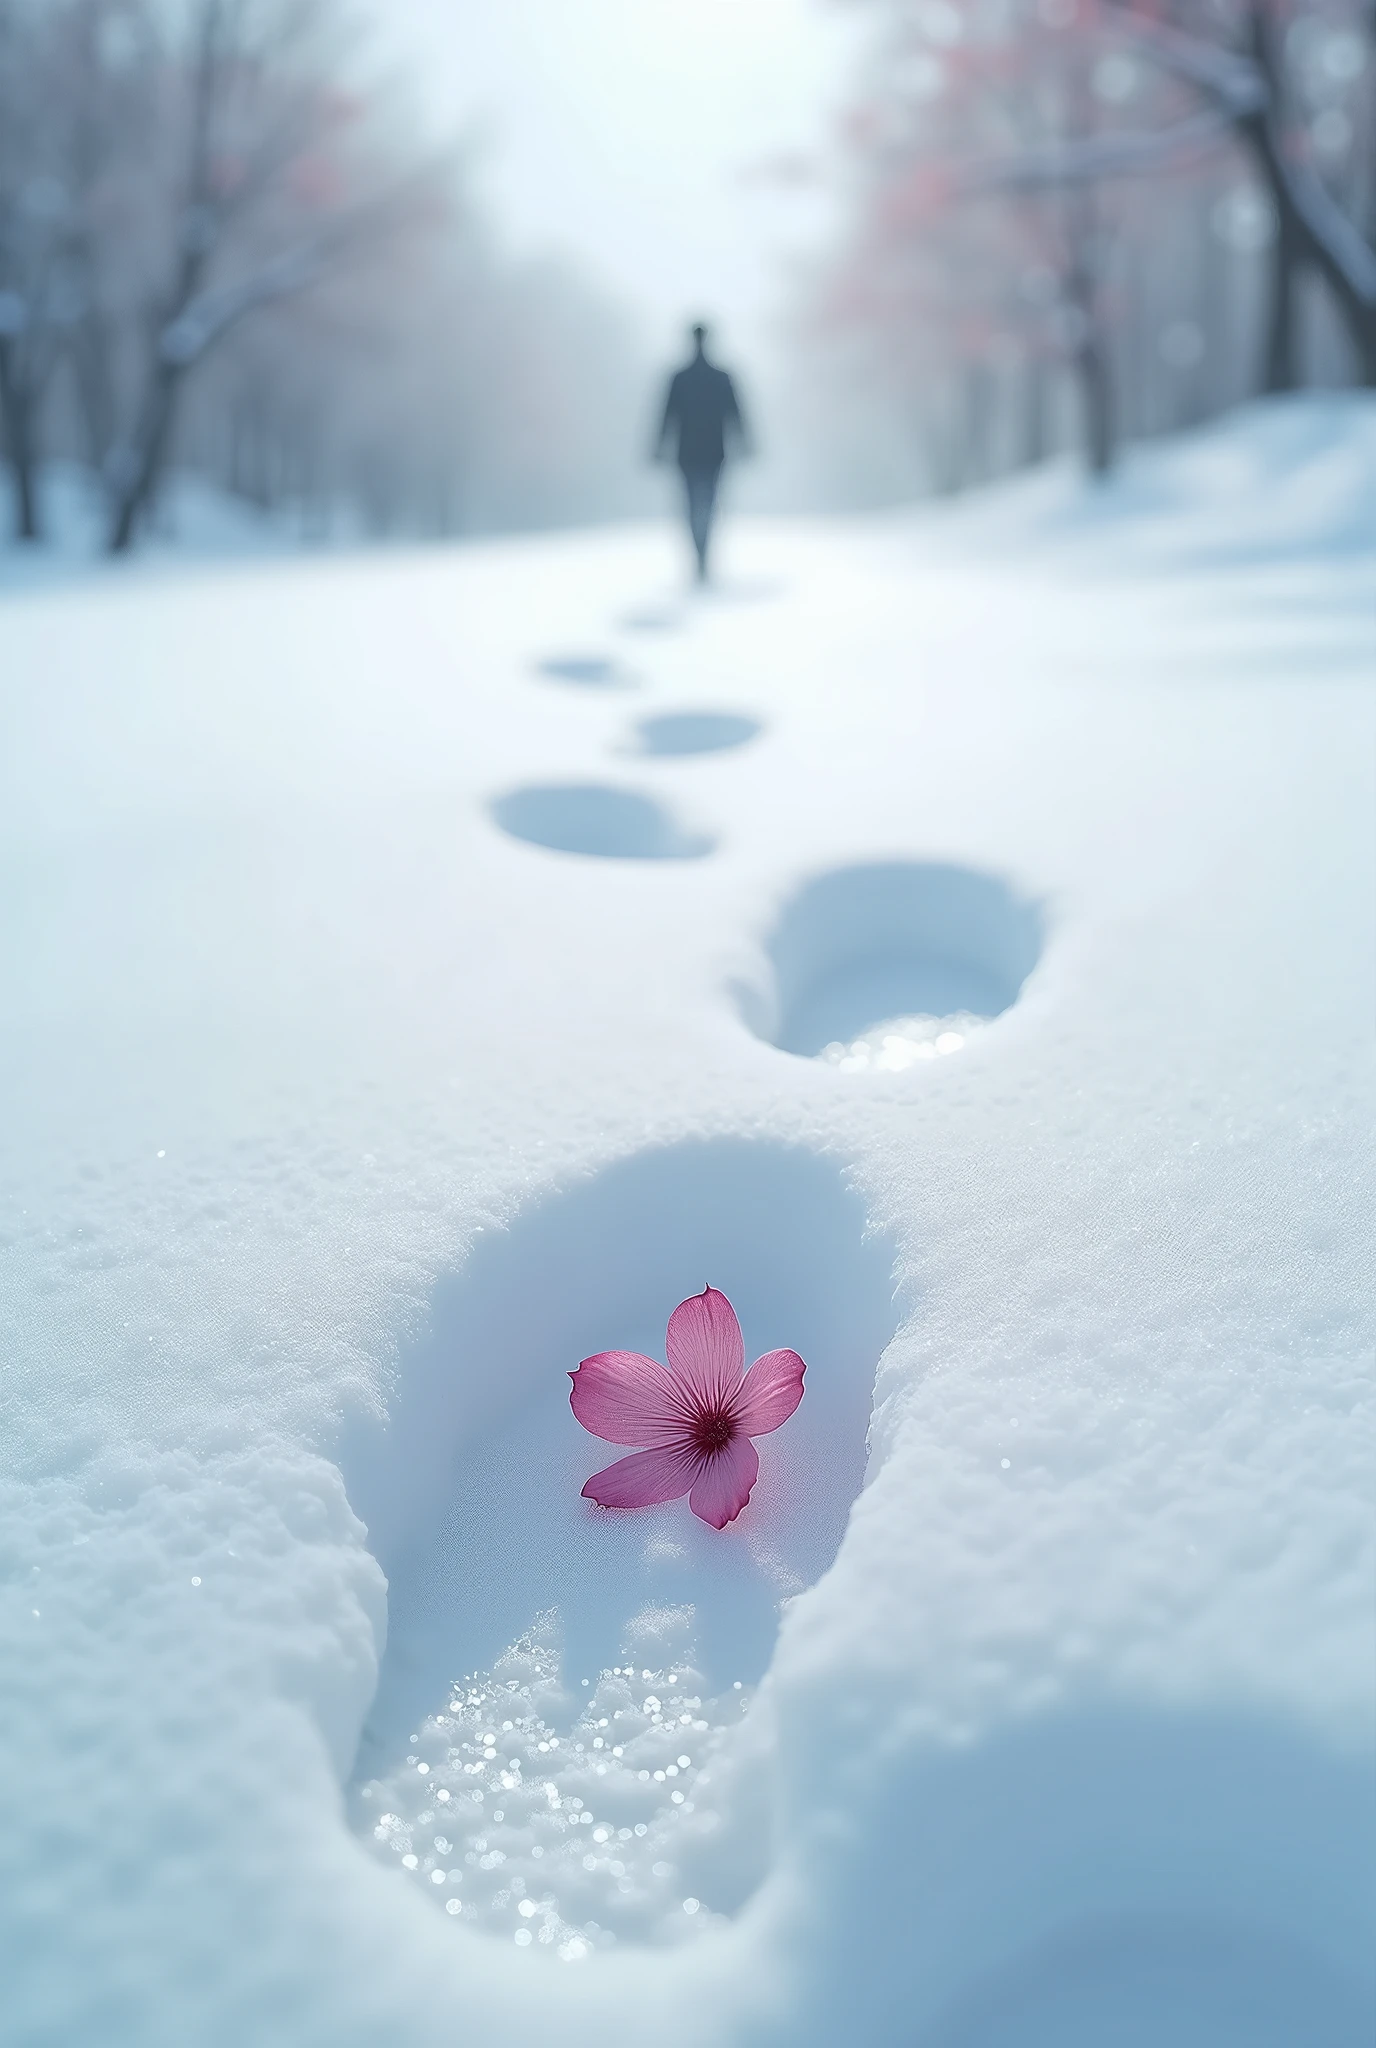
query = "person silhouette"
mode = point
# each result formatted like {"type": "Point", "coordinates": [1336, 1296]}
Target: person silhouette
{"type": "Point", "coordinates": [701, 415]}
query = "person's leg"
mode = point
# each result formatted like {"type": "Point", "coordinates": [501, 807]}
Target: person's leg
{"type": "Point", "coordinates": [701, 489]}
{"type": "Point", "coordinates": [709, 511]}
{"type": "Point", "coordinates": [692, 497]}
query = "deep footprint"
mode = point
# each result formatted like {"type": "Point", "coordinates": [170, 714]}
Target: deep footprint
{"type": "Point", "coordinates": [919, 952]}
{"type": "Point", "coordinates": [650, 622]}
{"type": "Point", "coordinates": [589, 671]}
{"type": "Point", "coordinates": [597, 819]}
{"type": "Point", "coordinates": [471, 1492]}
{"type": "Point", "coordinates": [694, 732]}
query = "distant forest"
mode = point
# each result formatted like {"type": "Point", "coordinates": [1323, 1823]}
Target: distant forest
{"type": "Point", "coordinates": [1075, 222]}
{"type": "Point", "coordinates": [1063, 223]}
{"type": "Point", "coordinates": [220, 249]}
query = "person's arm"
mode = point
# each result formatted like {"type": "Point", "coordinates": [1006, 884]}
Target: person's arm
{"type": "Point", "coordinates": [735, 420]}
{"type": "Point", "coordinates": [660, 450]}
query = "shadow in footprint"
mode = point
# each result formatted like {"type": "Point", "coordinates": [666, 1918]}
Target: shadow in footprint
{"type": "Point", "coordinates": [594, 818]}
{"type": "Point", "coordinates": [694, 732]}
{"type": "Point", "coordinates": [896, 939]}
{"type": "Point", "coordinates": [650, 622]}
{"type": "Point", "coordinates": [471, 1491]}
{"type": "Point", "coordinates": [589, 671]}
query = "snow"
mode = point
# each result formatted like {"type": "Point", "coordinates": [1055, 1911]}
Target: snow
{"type": "Point", "coordinates": [392, 1016]}
{"type": "Point", "coordinates": [194, 523]}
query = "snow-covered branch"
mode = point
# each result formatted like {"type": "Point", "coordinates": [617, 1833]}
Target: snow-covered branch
{"type": "Point", "coordinates": [215, 311]}
{"type": "Point", "coordinates": [211, 315]}
{"type": "Point", "coordinates": [1112, 237]}
{"type": "Point", "coordinates": [1244, 86]}
{"type": "Point", "coordinates": [1093, 159]}
{"type": "Point", "coordinates": [1231, 78]}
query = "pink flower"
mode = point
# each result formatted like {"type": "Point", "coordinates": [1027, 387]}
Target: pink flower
{"type": "Point", "coordinates": [695, 1420]}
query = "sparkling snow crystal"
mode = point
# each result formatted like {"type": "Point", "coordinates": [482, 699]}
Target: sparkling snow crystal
{"type": "Point", "coordinates": [568, 1840]}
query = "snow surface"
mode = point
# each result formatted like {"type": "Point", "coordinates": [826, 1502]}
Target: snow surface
{"type": "Point", "coordinates": [194, 522]}
{"type": "Point", "coordinates": [390, 1019]}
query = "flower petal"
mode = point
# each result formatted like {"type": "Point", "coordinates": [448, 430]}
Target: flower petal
{"type": "Point", "coordinates": [705, 1347]}
{"type": "Point", "coordinates": [627, 1398]}
{"type": "Point", "coordinates": [643, 1478]}
{"type": "Point", "coordinates": [769, 1393]}
{"type": "Point", "coordinates": [723, 1484]}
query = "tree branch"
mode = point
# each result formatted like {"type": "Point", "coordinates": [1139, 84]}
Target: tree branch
{"type": "Point", "coordinates": [1233, 80]}
{"type": "Point", "coordinates": [1245, 86]}
{"type": "Point", "coordinates": [1090, 159]}
{"type": "Point", "coordinates": [212, 313]}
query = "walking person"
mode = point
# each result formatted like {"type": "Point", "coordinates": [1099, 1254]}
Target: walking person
{"type": "Point", "coordinates": [702, 416]}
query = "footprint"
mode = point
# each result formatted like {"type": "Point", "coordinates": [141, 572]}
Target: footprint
{"type": "Point", "coordinates": [594, 818]}
{"type": "Point", "coordinates": [589, 671]}
{"type": "Point", "coordinates": [472, 1491]}
{"type": "Point", "coordinates": [650, 622]}
{"type": "Point", "coordinates": [694, 732]}
{"type": "Point", "coordinates": [897, 958]}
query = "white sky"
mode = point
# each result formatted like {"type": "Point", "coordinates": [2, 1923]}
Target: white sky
{"type": "Point", "coordinates": [623, 132]}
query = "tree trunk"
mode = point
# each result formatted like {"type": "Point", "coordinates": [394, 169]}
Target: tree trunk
{"type": "Point", "coordinates": [150, 455]}
{"type": "Point", "coordinates": [1083, 286]}
{"type": "Point", "coordinates": [1281, 371]}
{"type": "Point", "coordinates": [16, 416]}
{"type": "Point", "coordinates": [92, 356]}
{"type": "Point", "coordinates": [1034, 435]}
{"type": "Point", "coordinates": [166, 370]}
{"type": "Point", "coordinates": [976, 410]}
{"type": "Point", "coordinates": [26, 523]}
{"type": "Point", "coordinates": [1260, 133]}
{"type": "Point", "coordinates": [1357, 316]}
{"type": "Point", "coordinates": [943, 448]}
{"type": "Point", "coordinates": [1096, 398]}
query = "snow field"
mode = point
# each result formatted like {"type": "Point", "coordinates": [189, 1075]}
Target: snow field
{"type": "Point", "coordinates": [348, 1112]}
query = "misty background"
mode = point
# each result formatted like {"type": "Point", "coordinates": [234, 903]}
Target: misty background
{"type": "Point", "coordinates": [419, 269]}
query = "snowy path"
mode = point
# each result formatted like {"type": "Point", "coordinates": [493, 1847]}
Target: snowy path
{"type": "Point", "coordinates": [397, 1007]}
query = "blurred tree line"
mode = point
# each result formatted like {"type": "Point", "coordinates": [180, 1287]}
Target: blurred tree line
{"type": "Point", "coordinates": [221, 250]}
{"type": "Point", "coordinates": [1094, 219]}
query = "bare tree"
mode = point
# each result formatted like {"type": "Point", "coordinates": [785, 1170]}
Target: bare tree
{"type": "Point", "coordinates": [1245, 80]}
{"type": "Point", "coordinates": [37, 302]}
{"type": "Point", "coordinates": [1001, 139]}
{"type": "Point", "coordinates": [221, 250]}
{"type": "Point", "coordinates": [1017, 165]}
{"type": "Point", "coordinates": [1244, 83]}
{"type": "Point", "coordinates": [275, 189]}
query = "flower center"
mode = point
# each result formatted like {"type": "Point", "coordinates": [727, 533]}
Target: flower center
{"type": "Point", "coordinates": [713, 1431]}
